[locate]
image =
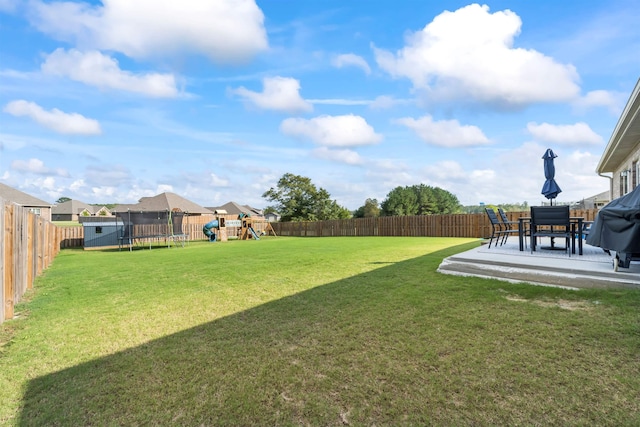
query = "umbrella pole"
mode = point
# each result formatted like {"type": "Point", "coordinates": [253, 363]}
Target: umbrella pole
{"type": "Point", "coordinates": [552, 239]}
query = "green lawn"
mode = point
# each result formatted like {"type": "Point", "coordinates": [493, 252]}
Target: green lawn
{"type": "Point", "coordinates": [312, 331]}
{"type": "Point", "coordinates": [67, 223]}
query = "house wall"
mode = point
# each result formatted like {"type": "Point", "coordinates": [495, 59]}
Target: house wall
{"type": "Point", "coordinates": [44, 212]}
{"type": "Point", "coordinates": [628, 171]}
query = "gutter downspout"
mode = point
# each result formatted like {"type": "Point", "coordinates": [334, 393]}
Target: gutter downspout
{"type": "Point", "coordinates": [610, 184]}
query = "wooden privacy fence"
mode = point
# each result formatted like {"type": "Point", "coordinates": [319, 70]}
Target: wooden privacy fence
{"type": "Point", "coordinates": [29, 245]}
{"type": "Point", "coordinates": [456, 225]}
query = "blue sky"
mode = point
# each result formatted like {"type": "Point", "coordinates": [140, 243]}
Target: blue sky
{"type": "Point", "coordinates": [108, 102]}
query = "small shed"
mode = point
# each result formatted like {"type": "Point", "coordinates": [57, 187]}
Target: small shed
{"type": "Point", "coordinates": [100, 235]}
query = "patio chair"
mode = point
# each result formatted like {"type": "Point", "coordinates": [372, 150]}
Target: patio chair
{"type": "Point", "coordinates": [507, 223]}
{"type": "Point", "coordinates": [586, 228]}
{"type": "Point", "coordinates": [553, 222]}
{"type": "Point", "coordinates": [498, 229]}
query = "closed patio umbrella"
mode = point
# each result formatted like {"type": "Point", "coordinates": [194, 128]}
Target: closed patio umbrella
{"type": "Point", "coordinates": [550, 189]}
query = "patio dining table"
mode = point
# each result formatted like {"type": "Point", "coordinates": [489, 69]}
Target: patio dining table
{"type": "Point", "coordinates": [576, 227]}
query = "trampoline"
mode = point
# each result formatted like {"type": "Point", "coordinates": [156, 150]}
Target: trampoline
{"type": "Point", "coordinates": [146, 227]}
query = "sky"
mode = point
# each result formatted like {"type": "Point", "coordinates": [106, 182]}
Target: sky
{"type": "Point", "coordinates": [215, 100]}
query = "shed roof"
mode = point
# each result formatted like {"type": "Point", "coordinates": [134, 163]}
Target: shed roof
{"type": "Point", "coordinates": [20, 198]}
{"type": "Point", "coordinates": [625, 137]}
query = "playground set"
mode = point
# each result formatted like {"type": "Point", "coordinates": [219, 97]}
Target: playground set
{"type": "Point", "coordinates": [216, 230]}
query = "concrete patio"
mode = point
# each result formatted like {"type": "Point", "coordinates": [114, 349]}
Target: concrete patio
{"type": "Point", "coordinates": [593, 269]}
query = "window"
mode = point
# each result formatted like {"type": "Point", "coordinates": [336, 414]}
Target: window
{"type": "Point", "coordinates": [98, 230]}
{"type": "Point", "coordinates": [35, 211]}
{"type": "Point", "coordinates": [624, 182]}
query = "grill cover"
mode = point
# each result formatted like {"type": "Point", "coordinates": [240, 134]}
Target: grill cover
{"type": "Point", "coordinates": [617, 225]}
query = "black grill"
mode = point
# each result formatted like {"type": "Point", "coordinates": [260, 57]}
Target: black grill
{"type": "Point", "coordinates": [617, 228]}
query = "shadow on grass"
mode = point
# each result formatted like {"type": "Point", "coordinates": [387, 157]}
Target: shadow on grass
{"type": "Point", "coordinates": [356, 350]}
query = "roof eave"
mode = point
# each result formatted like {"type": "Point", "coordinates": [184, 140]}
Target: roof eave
{"type": "Point", "coordinates": [622, 142]}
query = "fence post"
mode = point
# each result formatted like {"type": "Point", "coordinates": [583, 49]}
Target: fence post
{"type": "Point", "coordinates": [8, 262]}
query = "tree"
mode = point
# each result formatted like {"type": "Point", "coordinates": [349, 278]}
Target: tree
{"type": "Point", "coordinates": [63, 199]}
{"type": "Point", "coordinates": [419, 200]}
{"type": "Point", "coordinates": [370, 209]}
{"type": "Point", "coordinates": [298, 199]}
{"type": "Point", "coordinates": [399, 202]}
{"type": "Point", "coordinates": [508, 207]}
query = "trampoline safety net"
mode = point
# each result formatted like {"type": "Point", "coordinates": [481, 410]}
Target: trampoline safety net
{"type": "Point", "coordinates": [149, 226]}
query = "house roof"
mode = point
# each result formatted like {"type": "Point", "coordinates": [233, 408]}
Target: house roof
{"type": "Point", "coordinates": [233, 208]}
{"type": "Point", "coordinates": [625, 137]}
{"type": "Point", "coordinates": [600, 196]}
{"type": "Point", "coordinates": [74, 207]}
{"type": "Point", "coordinates": [20, 198]}
{"type": "Point", "coordinates": [163, 202]}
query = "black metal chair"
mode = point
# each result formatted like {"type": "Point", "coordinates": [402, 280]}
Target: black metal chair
{"type": "Point", "coordinates": [498, 229]}
{"type": "Point", "coordinates": [507, 223]}
{"type": "Point", "coordinates": [553, 222]}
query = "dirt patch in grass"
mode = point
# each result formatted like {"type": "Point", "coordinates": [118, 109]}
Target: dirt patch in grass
{"type": "Point", "coordinates": [560, 303]}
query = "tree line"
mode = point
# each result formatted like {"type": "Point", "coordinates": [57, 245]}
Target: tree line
{"type": "Point", "coordinates": [296, 198]}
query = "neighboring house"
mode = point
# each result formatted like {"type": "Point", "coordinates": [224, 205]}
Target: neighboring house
{"type": "Point", "coordinates": [37, 206]}
{"type": "Point", "coordinates": [621, 157]}
{"type": "Point", "coordinates": [272, 217]}
{"type": "Point", "coordinates": [594, 202]}
{"type": "Point", "coordinates": [232, 208]}
{"type": "Point", "coordinates": [165, 202]}
{"type": "Point", "coordinates": [72, 210]}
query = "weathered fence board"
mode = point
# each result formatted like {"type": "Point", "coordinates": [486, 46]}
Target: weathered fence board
{"type": "Point", "coordinates": [29, 245]}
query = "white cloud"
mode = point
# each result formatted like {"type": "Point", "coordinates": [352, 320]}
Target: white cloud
{"type": "Point", "coordinates": [469, 54]}
{"type": "Point", "coordinates": [226, 31]}
{"type": "Point", "coordinates": [45, 186]}
{"type": "Point", "coordinates": [77, 185]}
{"type": "Point", "coordinates": [601, 98]}
{"type": "Point", "coordinates": [163, 188]}
{"type": "Point", "coordinates": [447, 170]}
{"type": "Point", "coordinates": [105, 192]}
{"type": "Point", "coordinates": [216, 181]}
{"type": "Point", "coordinates": [349, 157]}
{"type": "Point", "coordinates": [332, 131]}
{"type": "Point", "coordinates": [95, 69]}
{"type": "Point", "coordinates": [351, 60]}
{"type": "Point", "coordinates": [338, 101]}
{"type": "Point", "coordinates": [384, 102]}
{"type": "Point", "coordinates": [279, 93]}
{"type": "Point", "coordinates": [109, 176]}
{"type": "Point", "coordinates": [36, 166]}
{"type": "Point", "coordinates": [576, 134]}
{"type": "Point", "coordinates": [56, 120]}
{"type": "Point", "coordinates": [516, 175]}
{"type": "Point", "coordinates": [445, 133]}
{"type": "Point", "coordinates": [136, 193]}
